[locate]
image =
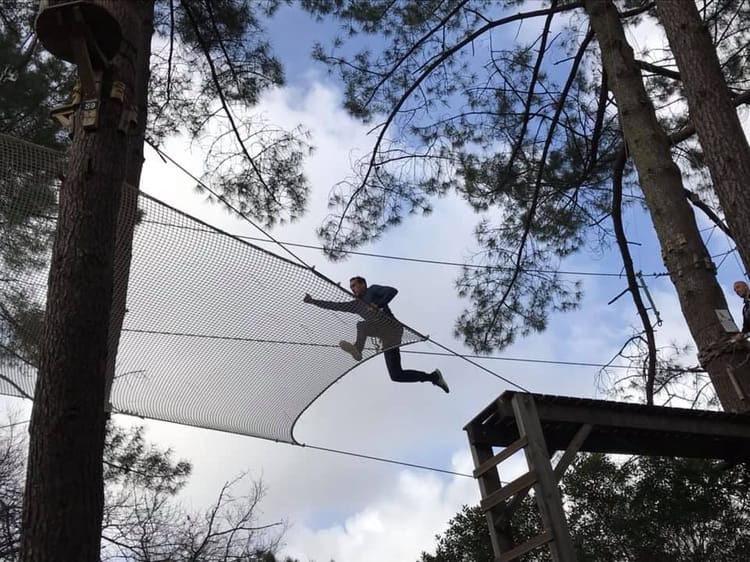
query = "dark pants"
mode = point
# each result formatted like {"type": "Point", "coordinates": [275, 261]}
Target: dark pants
{"type": "Point", "coordinates": [398, 374]}
{"type": "Point", "coordinates": [390, 332]}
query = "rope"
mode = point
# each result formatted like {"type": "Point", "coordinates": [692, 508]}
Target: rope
{"type": "Point", "coordinates": [382, 459]}
{"type": "Point", "coordinates": [165, 156]}
{"type": "Point", "coordinates": [432, 261]}
{"type": "Point", "coordinates": [223, 199]}
{"type": "Point", "coordinates": [325, 449]}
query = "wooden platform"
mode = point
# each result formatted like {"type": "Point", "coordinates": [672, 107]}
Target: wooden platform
{"type": "Point", "coordinates": [619, 427]}
{"type": "Point", "coordinates": [539, 425]}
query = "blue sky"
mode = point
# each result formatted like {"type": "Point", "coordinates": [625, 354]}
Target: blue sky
{"type": "Point", "coordinates": [350, 509]}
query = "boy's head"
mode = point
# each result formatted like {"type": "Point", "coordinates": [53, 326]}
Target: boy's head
{"type": "Point", "coordinates": [358, 285]}
{"type": "Point", "coordinates": [741, 288]}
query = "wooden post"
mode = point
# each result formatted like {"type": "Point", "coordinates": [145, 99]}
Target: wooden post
{"type": "Point", "coordinates": [489, 482]}
{"type": "Point", "coordinates": [546, 489]}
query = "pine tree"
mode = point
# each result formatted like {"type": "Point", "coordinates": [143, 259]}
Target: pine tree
{"type": "Point", "coordinates": [685, 255]}
{"type": "Point", "coordinates": [712, 112]}
{"type": "Point", "coordinates": [534, 146]}
{"type": "Point", "coordinates": [644, 508]}
{"type": "Point", "coordinates": [63, 499]}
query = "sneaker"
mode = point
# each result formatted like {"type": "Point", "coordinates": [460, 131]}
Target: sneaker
{"type": "Point", "coordinates": [440, 381]}
{"type": "Point", "coordinates": [351, 350]}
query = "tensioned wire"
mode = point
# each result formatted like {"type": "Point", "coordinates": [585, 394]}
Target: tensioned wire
{"type": "Point", "coordinates": [189, 280]}
{"type": "Point", "coordinates": [182, 398]}
{"type": "Point", "coordinates": [244, 216]}
{"type": "Point", "coordinates": [430, 353]}
{"type": "Point", "coordinates": [326, 450]}
{"type": "Point", "coordinates": [442, 262]}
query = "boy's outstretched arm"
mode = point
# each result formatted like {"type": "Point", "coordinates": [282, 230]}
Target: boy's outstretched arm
{"type": "Point", "coordinates": [345, 306]}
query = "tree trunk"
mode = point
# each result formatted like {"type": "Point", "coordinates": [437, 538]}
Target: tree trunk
{"type": "Point", "coordinates": [128, 215]}
{"type": "Point", "coordinates": [63, 499]}
{"type": "Point", "coordinates": [713, 113]}
{"type": "Point", "coordinates": [684, 253]}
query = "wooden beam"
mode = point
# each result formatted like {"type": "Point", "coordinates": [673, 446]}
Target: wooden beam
{"type": "Point", "coordinates": [572, 450]}
{"type": "Point", "coordinates": [489, 483]}
{"type": "Point", "coordinates": [493, 408]}
{"type": "Point", "coordinates": [649, 419]}
{"type": "Point", "coordinates": [510, 450]}
{"type": "Point", "coordinates": [522, 549]}
{"type": "Point", "coordinates": [510, 489]}
{"type": "Point", "coordinates": [547, 491]}
{"type": "Point", "coordinates": [515, 503]}
{"type": "Point", "coordinates": [625, 428]}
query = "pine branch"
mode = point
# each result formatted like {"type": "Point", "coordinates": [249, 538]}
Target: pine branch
{"type": "Point", "coordinates": [538, 182]}
{"type": "Point", "coordinates": [225, 106]}
{"type": "Point", "coordinates": [445, 55]}
{"type": "Point", "coordinates": [627, 262]}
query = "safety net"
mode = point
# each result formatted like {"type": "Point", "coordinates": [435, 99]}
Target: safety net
{"type": "Point", "coordinates": [215, 331]}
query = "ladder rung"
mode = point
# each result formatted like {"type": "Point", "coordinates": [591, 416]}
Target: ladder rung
{"type": "Point", "coordinates": [500, 457]}
{"type": "Point", "coordinates": [530, 544]}
{"type": "Point", "coordinates": [499, 496]}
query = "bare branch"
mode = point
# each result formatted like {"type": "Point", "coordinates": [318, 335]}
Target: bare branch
{"type": "Point", "coordinates": [225, 105]}
{"type": "Point", "coordinates": [445, 55]}
{"type": "Point", "coordinates": [538, 182]}
{"type": "Point", "coordinates": [659, 70]}
{"type": "Point", "coordinates": [627, 262]}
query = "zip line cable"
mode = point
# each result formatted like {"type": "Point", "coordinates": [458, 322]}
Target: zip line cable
{"type": "Point", "coordinates": [14, 424]}
{"type": "Point", "coordinates": [383, 459]}
{"type": "Point", "coordinates": [554, 362]}
{"type": "Point", "coordinates": [388, 256]}
{"type": "Point", "coordinates": [165, 156]}
{"type": "Point", "coordinates": [431, 353]}
{"type": "Point", "coordinates": [335, 451]}
{"type": "Point", "coordinates": [481, 367]}
{"type": "Point", "coordinates": [415, 260]}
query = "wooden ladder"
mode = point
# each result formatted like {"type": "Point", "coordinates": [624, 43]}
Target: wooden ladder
{"type": "Point", "coordinates": [499, 502]}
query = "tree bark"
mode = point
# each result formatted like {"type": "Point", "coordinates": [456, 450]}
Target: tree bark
{"type": "Point", "coordinates": [128, 215]}
{"type": "Point", "coordinates": [684, 253]}
{"type": "Point", "coordinates": [713, 113]}
{"type": "Point", "coordinates": [63, 500]}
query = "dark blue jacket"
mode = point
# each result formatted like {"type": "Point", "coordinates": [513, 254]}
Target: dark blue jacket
{"type": "Point", "coordinates": [379, 295]}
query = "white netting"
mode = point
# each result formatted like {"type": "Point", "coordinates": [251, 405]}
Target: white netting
{"type": "Point", "coordinates": [216, 333]}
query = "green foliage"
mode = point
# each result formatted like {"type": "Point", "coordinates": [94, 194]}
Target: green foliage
{"type": "Point", "coordinates": [130, 460]}
{"type": "Point", "coordinates": [466, 539]}
{"type": "Point", "coordinates": [31, 82]}
{"type": "Point", "coordinates": [142, 518]}
{"type": "Point", "coordinates": [647, 508]}
{"type": "Point", "coordinates": [513, 129]}
{"type": "Point", "coordinates": [28, 206]}
{"type": "Point", "coordinates": [523, 130]}
{"type": "Point", "coordinates": [659, 508]}
{"type": "Point", "coordinates": [212, 62]}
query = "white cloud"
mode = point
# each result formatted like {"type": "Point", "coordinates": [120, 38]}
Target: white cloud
{"type": "Point", "coordinates": [396, 527]}
{"type": "Point", "coordinates": [351, 509]}
{"type": "Point", "coordinates": [355, 510]}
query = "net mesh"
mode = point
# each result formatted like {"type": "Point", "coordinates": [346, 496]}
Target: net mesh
{"type": "Point", "coordinates": [215, 333]}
